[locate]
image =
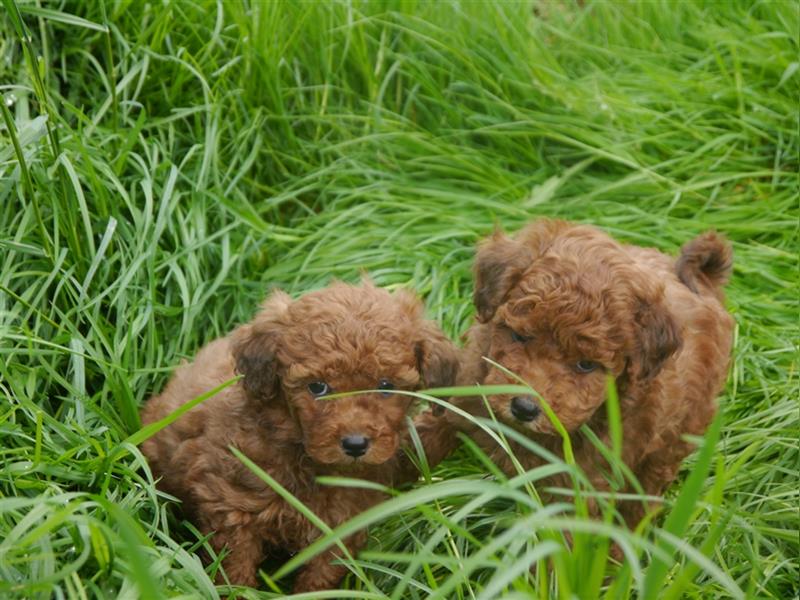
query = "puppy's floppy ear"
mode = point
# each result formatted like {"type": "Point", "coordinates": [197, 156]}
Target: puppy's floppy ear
{"type": "Point", "coordinates": [436, 355]}
{"type": "Point", "coordinates": [254, 347]}
{"type": "Point", "coordinates": [499, 263]}
{"type": "Point", "coordinates": [437, 358]}
{"type": "Point", "coordinates": [502, 260]}
{"type": "Point", "coordinates": [657, 338]}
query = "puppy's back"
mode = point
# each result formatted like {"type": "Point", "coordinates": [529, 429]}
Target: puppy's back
{"type": "Point", "coordinates": [212, 366]}
{"type": "Point", "coordinates": [693, 292]}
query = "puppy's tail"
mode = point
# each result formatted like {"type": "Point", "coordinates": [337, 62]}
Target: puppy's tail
{"type": "Point", "coordinates": [705, 262]}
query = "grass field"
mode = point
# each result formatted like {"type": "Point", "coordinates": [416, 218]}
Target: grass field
{"type": "Point", "coordinates": [163, 165]}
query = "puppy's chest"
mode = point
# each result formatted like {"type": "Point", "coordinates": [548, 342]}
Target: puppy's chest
{"type": "Point", "coordinates": [526, 460]}
{"type": "Point", "coordinates": [500, 456]}
{"type": "Point", "coordinates": [282, 525]}
{"type": "Point", "coordinates": [278, 522]}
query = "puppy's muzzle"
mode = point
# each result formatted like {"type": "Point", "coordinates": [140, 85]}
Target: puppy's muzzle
{"type": "Point", "coordinates": [355, 445]}
{"type": "Point", "coordinates": [524, 409]}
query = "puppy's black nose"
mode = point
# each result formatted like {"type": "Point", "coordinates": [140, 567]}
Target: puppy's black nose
{"type": "Point", "coordinates": [355, 445]}
{"type": "Point", "coordinates": [523, 408]}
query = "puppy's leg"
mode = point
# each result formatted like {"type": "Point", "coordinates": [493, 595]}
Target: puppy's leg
{"type": "Point", "coordinates": [655, 474]}
{"type": "Point", "coordinates": [321, 573]}
{"type": "Point", "coordinates": [245, 548]}
{"type": "Point", "coordinates": [438, 437]}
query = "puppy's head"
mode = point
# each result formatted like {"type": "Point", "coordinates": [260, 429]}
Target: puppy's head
{"type": "Point", "coordinates": [341, 339]}
{"type": "Point", "coordinates": [565, 305]}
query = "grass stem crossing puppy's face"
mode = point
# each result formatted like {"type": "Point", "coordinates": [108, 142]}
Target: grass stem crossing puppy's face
{"type": "Point", "coordinates": [335, 341]}
{"type": "Point", "coordinates": [565, 306]}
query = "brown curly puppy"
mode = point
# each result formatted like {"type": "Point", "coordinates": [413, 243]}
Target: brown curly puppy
{"type": "Point", "coordinates": [339, 339]}
{"type": "Point", "coordinates": [562, 305]}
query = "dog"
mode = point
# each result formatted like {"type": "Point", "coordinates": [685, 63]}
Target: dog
{"type": "Point", "coordinates": [336, 340]}
{"type": "Point", "coordinates": [562, 306]}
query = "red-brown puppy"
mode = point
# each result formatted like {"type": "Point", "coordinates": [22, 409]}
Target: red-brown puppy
{"type": "Point", "coordinates": [562, 305]}
{"type": "Point", "coordinates": [340, 339]}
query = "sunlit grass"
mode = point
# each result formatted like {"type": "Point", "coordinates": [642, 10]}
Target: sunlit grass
{"type": "Point", "coordinates": [163, 166]}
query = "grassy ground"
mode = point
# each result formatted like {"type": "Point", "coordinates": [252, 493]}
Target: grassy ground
{"type": "Point", "coordinates": [162, 166]}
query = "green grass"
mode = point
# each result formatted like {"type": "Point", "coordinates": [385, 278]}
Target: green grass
{"type": "Point", "coordinates": [163, 166]}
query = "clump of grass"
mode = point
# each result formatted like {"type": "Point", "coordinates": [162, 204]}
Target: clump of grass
{"type": "Point", "coordinates": [162, 166]}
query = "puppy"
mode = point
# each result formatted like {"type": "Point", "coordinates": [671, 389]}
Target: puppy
{"type": "Point", "coordinates": [340, 339]}
{"type": "Point", "coordinates": [563, 305]}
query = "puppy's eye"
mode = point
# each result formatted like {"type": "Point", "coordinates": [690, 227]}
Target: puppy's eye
{"type": "Point", "coordinates": [519, 338]}
{"type": "Point", "coordinates": [385, 384]}
{"type": "Point", "coordinates": [318, 388]}
{"type": "Point", "coordinates": [586, 366]}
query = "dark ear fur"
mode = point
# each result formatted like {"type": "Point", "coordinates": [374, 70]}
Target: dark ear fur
{"type": "Point", "coordinates": [254, 354]}
{"type": "Point", "coordinates": [499, 263]}
{"type": "Point", "coordinates": [254, 347]}
{"type": "Point", "coordinates": [658, 338]}
{"type": "Point", "coordinates": [437, 359]}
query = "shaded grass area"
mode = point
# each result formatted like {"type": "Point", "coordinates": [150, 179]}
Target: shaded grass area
{"type": "Point", "coordinates": [162, 167]}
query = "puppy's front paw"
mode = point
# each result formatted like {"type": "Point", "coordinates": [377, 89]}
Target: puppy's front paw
{"type": "Point", "coordinates": [318, 577]}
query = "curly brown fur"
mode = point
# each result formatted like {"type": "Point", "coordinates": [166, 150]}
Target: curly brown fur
{"type": "Point", "coordinates": [705, 263]}
{"type": "Point", "coordinates": [558, 299]}
{"type": "Point", "coordinates": [349, 337]}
